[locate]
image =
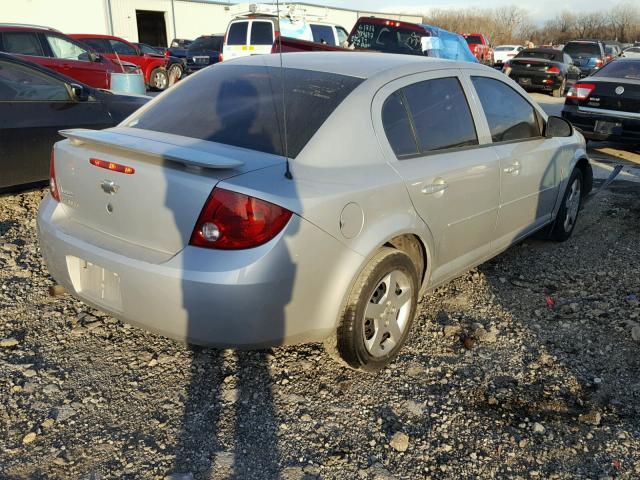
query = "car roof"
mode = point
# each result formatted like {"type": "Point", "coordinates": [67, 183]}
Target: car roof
{"type": "Point", "coordinates": [355, 64]}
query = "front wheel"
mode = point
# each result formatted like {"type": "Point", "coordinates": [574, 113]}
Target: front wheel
{"type": "Point", "coordinates": [569, 209]}
{"type": "Point", "coordinates": [379, 312]}
{"type": "Point", "coordinates": [159, 79]}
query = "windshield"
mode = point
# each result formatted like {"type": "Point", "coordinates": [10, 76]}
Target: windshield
{"type": "Point", "coordinates": [620, 69]}
{"type": "Point", "coordinates": [577, 49]}
{"type": "Point", "coordinates": [241, 105]}
{"type": "Point", "coordinates": [385, 38]}
{"type": "Point", "coordinates": [206, 43]}
{"type": "Point", "coordinates": [474, 39]}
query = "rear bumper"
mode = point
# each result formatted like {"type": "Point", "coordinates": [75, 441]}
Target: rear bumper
{"type": "Point", "coordinates": [536, 80]}
{"type": "Point", "coordinates": [287, 291]}
{"type": "Point", "coordinates": [585, 122]}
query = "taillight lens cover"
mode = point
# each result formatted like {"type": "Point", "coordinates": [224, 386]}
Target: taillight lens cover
{"type": "Point", "coordinates": [234, 221]}
{"type": "Point", "coordinates": [581, 91]}
{"type": "Point", "coordinates": [53, 183]}
{"type": "Point", "coordinates": [553, 69]}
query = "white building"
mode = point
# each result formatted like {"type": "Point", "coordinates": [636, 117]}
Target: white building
{"type": "Point", "coordinates": [151, 21]}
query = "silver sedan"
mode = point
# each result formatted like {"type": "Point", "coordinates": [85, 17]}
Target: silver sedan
{"type": "Point", "coordinates": [253, 205]}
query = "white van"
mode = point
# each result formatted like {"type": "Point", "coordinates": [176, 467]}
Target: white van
{"type": "Point", "coordinates": [255, 30]}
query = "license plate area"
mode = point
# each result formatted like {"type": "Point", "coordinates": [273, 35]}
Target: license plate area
{"type": "Point", "coordinates": [608, 128]}
{"type": "Point", "coordinates": [95, 283]}
{"type": "Point", "coordinates": [201, 60]}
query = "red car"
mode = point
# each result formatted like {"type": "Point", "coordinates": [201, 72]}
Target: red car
{"type": "Point", "coordinates": [480, 46]}
{"type": "Point", "coordinates": [153, 67]}
{"type": "Point", "coordinates": [55, 50]}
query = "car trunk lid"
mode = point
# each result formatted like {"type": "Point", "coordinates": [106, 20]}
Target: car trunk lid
{"type": "Point", "coordinates": [530, 65]}
{"type": "Point", "coordinates": [614, 94]}
{"type": "Point", "coordinates": [143, 187]}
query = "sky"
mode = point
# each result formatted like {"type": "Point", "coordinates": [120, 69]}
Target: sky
{"type": "Point", "coordinates": [539, 10]}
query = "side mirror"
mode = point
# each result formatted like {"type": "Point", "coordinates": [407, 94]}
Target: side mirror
{"type": "Point", "coordinates": [558, 127]}
{"type": "Point", "coordinates": [79, 92]}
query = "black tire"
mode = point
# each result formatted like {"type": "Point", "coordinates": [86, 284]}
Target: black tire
{"type": "Point", "coordinates": [174, 73]}
{"type": "Point", "coordinates": [355, 331]}
{"type": "Point", "coordinates": [560, 91]}
{"type": "Point", "coordinates": [159, 80]}
{"type": "Point", "coordinates": [563, 225]}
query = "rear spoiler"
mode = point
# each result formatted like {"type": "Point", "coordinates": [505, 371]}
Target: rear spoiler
{"type": "Point", "coordinates": [199, 156]}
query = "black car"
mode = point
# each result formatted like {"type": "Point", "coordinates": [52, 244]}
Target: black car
{"type": "Point", "coordinates": [606, 105]}
{"type": "Point", "coordinates": [176, 67]}
{"type": "Point", "coordinates": [178, 47]}
{"type": "Point", "coordinates": [544, 69]}
{"type": "Point", "coordinates": [204, 51]}
{"type": "Point", "coordinates": [588, 55]}
{"type": "Point", "coordinates": [35, 103]}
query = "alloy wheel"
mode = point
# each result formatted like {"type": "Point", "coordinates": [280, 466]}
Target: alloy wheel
{"type": "Point", "coordinates": [572, 205]}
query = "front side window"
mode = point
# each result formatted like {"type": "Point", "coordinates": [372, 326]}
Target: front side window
{"type": "Point", "coordinates": [237, 33]}
{"type": "Point", "coordinates": [22, 43]}
{"type": "Point", "coordinates": [64, 49]}
{"type": "Point", "coordinates": [122, 48]}
{"type": "Point", "coordinates": [261, 33]}
{"type": "Point", "coordinates": [509, 115]}
{"type": "Point", "coordinates": [19, 83]}
{"type": "Point", "coordinates": [323, 34]}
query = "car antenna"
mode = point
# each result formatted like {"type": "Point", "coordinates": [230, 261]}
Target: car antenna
{"type": "Point", "coordinates": [287, 172]}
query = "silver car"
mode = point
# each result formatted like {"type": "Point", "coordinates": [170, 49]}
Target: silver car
{"type": "Point", "coordinates": [253, 206]}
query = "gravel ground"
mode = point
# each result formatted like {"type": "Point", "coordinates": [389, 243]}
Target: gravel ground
{"type": "Point", "coordinates": [527, 367]}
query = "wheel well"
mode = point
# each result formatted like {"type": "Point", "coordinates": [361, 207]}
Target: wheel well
{"type": "Point", "coordinates": [587, 175]}
{"type": "Point", "coordinates": [412, 246]}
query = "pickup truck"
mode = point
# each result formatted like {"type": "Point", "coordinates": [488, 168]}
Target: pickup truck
{"type": "Point", "coordinates": [389, 36]}
{"type": "Point", "coordinates": [480, 47]}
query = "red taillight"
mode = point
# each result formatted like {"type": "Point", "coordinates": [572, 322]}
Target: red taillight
{"type": "Point", "coordinates": [232, 221]}
{"type": "Point", "coordinates": [114, 167]}
{"type": "Point", "coordinates": [553, 69]}
{"type": "Point", "coordinates": [53, 184]}
{"type": "Point", "coordinates": [599, 63]}
{"type": "Point", "coordinates": [581, 91]}
{"type": "Point", "coordinates": [220, 57]}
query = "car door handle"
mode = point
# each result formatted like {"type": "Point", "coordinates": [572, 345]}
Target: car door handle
{"type": "Point", "coordinates": [434, 188]}
{"type": "Point", "coordinates": [513, 169]}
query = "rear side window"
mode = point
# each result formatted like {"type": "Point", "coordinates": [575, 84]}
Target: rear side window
{"type": "Point", "coordinates": [261, 33]}
{"type": "Point", "coordinates": [237, 33]}
{"type": "Point", "coordinates": [474, 39]}
{"type": "Point", "coordinates": [397, 126]}
{"type": "Point", "coordinates": [23, 43]}
{"type": "Point", "coordinates": [511, 117]}
{"type": "Point", "coordinates": [98, 44]}
{"type": "Point", "coordinates": [122, 48]}
{"type": "Point", "coordinates": [241, 105]}
{"type": "Point", "coordinates": [323, 34]}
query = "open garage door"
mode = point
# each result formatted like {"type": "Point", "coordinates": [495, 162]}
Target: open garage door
{"type": "Point", "coordinates": [152, 28]}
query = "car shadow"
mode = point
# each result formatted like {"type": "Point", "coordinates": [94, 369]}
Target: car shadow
{"type": "Point", "coordinates": [229, 426]}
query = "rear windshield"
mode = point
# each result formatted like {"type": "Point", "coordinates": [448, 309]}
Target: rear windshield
{"type": "Point", "coordinates": [554, 56]}
{"type": "Point", "coordinates": [261, 33]}
{"type": "Point", "coordinates": [474, 39]}
{"type": "Point", "coordinates": [582, 49]}
{"type": "Point", "coordinates": [237, 33]}
{"type": "Point", "coordinates": [206, 43]}
{"type": "Point", "coordinates": [620, 69]}
{"type": "Point", "coordinates": [241, 105]}
{"type": "Point", "coordinates": [504, 49]}
{"type": "Point", "coordinates": [384, 38]}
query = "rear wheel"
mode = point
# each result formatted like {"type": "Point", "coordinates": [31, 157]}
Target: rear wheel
{"type": "Point", "coordinates": [569, 209]}
{"type": "Point", "coordinates": [379, 312]}
{"type": "Point", "coordinates": [560, 91]}
{"type": "Point", "coordinates": [159, 79]}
